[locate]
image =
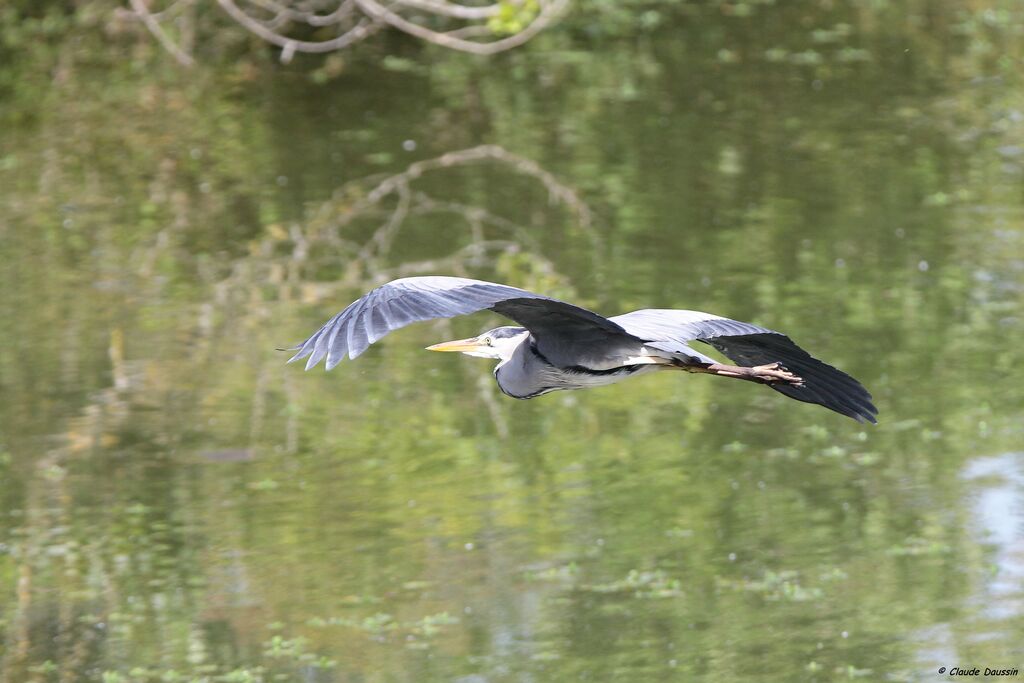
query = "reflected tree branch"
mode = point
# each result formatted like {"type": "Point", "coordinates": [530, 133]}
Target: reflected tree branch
{"type": "Point", "coordinates": [353, 203]}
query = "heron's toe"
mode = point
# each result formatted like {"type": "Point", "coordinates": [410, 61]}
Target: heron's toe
{"type": "Point", "coordinates": [776, 373]}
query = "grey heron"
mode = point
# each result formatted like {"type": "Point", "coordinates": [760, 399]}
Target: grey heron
{"type": "Point", "coordinates": [559, 345]}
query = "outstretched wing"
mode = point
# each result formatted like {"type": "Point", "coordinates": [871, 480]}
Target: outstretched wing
{"type": "Point", "coordinates": [749, 345]}
{"type": "Point", "coordinates": [563, 332]}
{"type": "Point", "coordinates": [677, 327]}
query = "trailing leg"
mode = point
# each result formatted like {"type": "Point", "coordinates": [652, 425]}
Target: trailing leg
{"type": "Point", "coordinates": [772, 373]}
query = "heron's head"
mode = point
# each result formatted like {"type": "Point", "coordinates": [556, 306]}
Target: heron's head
{"type": "Point", "coordinates": [498, 343]}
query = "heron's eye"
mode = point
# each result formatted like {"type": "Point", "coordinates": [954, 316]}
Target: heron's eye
{"type": "Point", "coordinates": [487, 341]}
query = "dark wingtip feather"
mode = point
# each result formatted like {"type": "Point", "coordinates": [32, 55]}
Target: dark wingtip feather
{"type": "Point", "coordinates": [833, 389]}
{"type": "Point", "coordinates": [823, 385]}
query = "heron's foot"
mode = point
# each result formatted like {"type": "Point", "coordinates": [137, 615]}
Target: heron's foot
{"type": "Point", "coordinates": [775, 373]}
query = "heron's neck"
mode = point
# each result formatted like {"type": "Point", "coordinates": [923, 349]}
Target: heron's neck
{"type": "Point", "coordinates": [517, 345]}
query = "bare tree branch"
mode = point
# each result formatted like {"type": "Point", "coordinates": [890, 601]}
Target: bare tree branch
{"type": "Point", "coordinates": [362, 29]}
{"type": "Point", "coordinates": [549, 13]}
{"type": "Point", "coordinates": [450, 24]}
{"type": "Point", "coordinates": [451, 9]}
{"type": "Point", "coordinates": [153, 24]}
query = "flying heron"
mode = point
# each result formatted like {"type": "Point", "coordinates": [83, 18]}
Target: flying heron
{"type": "Point", "coordinates": [563, 346]}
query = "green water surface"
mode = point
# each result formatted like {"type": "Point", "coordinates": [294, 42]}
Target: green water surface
{"type": "Point", "coordinates": [177, 504]}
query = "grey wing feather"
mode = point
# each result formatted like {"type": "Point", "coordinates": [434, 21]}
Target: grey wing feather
{"type": "Point", "coordinates": [559, 328]}
{"type": "Point", "coordinates": [672, 330]}
{"type": "Point", "coordinates": [749, 345]}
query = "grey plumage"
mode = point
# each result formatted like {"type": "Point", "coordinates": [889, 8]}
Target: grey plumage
{"type": "Point", "coordinates": [566, 341]}
{"type": "Point", "coordinates": [560, 328]}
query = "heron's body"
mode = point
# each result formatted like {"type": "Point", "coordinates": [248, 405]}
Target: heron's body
{"type": "Point", "coordinates": [561, 346]}
{"type": "Point", "coordinates": [527, 374]}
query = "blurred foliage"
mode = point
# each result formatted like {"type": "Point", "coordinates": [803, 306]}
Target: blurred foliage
{"type": "Point", "coordinates": [513, 17]}
{"type": "Point", "coordinates": [178, 505]}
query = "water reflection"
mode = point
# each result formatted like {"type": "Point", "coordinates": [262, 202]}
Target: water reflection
{"type": "Point", "coordinates": [987, 632]}
{"type": "Point", "coordinates": [999, 526]}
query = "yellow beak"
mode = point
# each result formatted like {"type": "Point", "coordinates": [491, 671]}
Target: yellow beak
{"type": "Point", "coordinates": [459, 345]}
